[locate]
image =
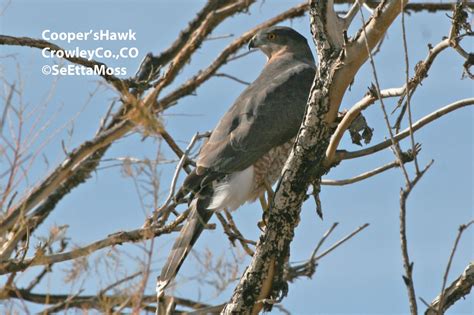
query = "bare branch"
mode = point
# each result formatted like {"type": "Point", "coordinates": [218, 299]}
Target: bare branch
{"type": "Point", "coordinates": [309, 267]}
{"type": "Point", "coordinates": [104, 303]}
{"type": "Point", "coordinates": [407, 264]}
{"type": "Point", "coordinates": [152, 63]}
{"type": "Point", "coordinates": [406, 157]}
{"type": "Point", "coordinates": [441, 308]}
{"type": "Point", "coordinates": [405, 133]}
{"type": "Point", "coordinates": [225, 75]}
{"type": "Point", "coordinates": [183, 158]}
{"type": "Point", "coordinates": [114, 239]}
{"type": "Point", "coordinates": [407, 82]}
{"type": "Point", "coordinates": [458, 289]}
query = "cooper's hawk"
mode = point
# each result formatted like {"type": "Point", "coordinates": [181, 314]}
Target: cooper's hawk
{"type": "Point", "coordinates": [249, 146]}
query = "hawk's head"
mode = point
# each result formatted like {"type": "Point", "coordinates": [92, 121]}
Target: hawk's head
{"type": "Point", "coordinates": [278, 39]}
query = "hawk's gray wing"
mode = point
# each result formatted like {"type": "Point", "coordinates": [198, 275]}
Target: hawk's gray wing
{"type": "Point", "coordinates": [267, 114]}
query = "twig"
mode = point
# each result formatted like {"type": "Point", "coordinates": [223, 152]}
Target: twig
{"type": "Point", "coordinates": [433, 6]}
{"type": "Point", "coordinates": [308, 267]}
{"type": "Point", "coordinates": [407, 82]}
{"type": "Point", "coordinates": [209, 38]}
{"type": "Point", "coordinates": [38, 278]}
{"type": "Point", "coordinates": [462, 228]}
{"type": "Point", "coordinates": [321, 241]}
{"type": "Point", "coordinates": [406, 157]}
{"type": "Point", "coordinates": [238, 56]}
{"type": "Point", "coordinates": [395, 144]}
{"type": "Point", "coordinates": [225, 75]}
{"type": "Point", "coordinates": [106, 117]}
{"type": "Point", "coordinates": [341, 241]}
{"type": "Point", "coordinates": [176, 149]}
{"type": "Point", "coordinates": [407, 265]}
{"type": "Point", "coordinates": [183, 158]}
{"type": "Point", "coordinates": [233, 233]}
{"type": "Point", "coordinates": [347, 19]}
{"type": "Point", "coordinates": [61, 305]}
{"type": "Point", "coordinates": [119, 282]}
{"type": "Point", "coordinates": [138, 297]}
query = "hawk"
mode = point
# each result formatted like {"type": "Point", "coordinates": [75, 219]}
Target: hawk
{"type": "Point", "coordinates": [249, 146]}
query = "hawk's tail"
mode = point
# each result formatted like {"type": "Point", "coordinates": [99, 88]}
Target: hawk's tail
{"type": "Point", "coordinates": [198, 217]}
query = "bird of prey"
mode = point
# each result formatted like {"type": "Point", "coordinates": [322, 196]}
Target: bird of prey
{"type": "Point", "coordinates": [249, 146]}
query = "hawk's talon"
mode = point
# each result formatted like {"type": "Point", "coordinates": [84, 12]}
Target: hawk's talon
{"type": "Point", "coordinates": [270, 193]}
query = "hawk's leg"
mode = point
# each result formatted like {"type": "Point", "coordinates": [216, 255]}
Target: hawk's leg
{"type": "Point", "coordinates": [265, 204]}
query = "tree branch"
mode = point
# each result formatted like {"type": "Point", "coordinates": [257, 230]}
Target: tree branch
{"type": "Point", "coordinates": [101, 302]}
{"type": "Point", "coordinates": [151, 63]}
{"type": "Point", "coordinates": [406, 157]}
{"type": "Point", "coordinates": [407, 264]}
{"type": "Point", "coordinates": [350, 116]}
{"type": "Point", "coordinates": [405, 133]}
{"type": "Point", "coordinates": [119, 238]}
{"type": "Point", "coordinates": [441, 299]}
{"type": "Point", "coordinates": [458, 289]}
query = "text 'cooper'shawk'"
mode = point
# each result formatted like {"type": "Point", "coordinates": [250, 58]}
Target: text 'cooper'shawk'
{"type": "Point", "coordinates": [249, 146]}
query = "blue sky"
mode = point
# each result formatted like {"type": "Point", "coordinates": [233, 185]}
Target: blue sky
{"type": "Point", "coordinates": [365, 275]}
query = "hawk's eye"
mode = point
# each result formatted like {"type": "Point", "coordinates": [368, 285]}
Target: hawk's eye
{"type": "Point", "coordinates": [271, 36]}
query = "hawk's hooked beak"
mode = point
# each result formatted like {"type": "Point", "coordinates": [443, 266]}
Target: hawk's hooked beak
{"type": "Point", "coordinates": [252, 43]}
